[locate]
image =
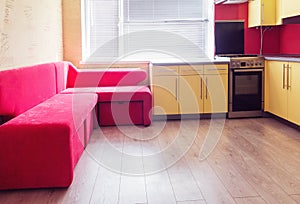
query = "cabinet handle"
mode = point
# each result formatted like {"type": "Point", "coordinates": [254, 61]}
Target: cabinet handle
{"type": "Point", "coordinates": [216, 69]}
{"type": "Point", "coordinates": [262, 12]}
{"type": "Point", "coordinates": [283, 76]}
{"type": "Point", "coordinates": [206, 81]}
{"type": "Point", "coordinates": [201, 86]}
{"type": "Point", "coordinates": [288, 86]}
{"type": "Point", "coordinates": [176, 86]}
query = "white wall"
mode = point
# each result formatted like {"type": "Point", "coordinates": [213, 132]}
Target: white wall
{"type": "Point", "coordinates": [30, 32]}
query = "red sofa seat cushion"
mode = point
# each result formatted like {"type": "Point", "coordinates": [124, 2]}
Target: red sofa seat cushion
{"type": "Point", "coordinates": [40, 147]}
{"type": "Point", "coordinates": [122, 94]}
{"type": "Point", "coordinates": [24, 88]}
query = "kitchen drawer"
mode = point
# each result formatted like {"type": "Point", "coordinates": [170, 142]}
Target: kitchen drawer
{"type": "Point", "coordinates": [191, 70]}
{"type": "Point", "coordinates": [165, 70]}
{"type": "Point", "coordinates": [120, 113]}
{"type": "Point", "coordinates": [216, 69]}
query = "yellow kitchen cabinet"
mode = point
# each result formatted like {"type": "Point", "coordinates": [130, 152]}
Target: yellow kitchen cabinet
{"type": "Point", "coordinates": [290, 8]}
{"type": "Point", "coordinates": [261, 13]}
{"type": "Point", "coordinates": [203, 91]}
{"type": "Point", "coordinates": [191, 89]}
{"type": "Point", "coordinates": [275, 90]}
{"type": "Point", "coordinates": [216, 88]}
{"type": "Point", "coordinates": [293, 94]}
{"type": "Point", "coordinates": [165, 90]}
{"type": "Point", "coordinates": [191, 94]}
{"type": "Point", "coordinates": [282, 90]}
{"type": "Point", "coordinates": [278, 12]}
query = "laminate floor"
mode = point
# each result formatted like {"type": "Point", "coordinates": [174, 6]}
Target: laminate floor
{"type": "Point", "coordinates": [242, 161]}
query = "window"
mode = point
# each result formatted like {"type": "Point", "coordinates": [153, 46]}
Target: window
{"type": "Point", "coordinates": [147, 29]}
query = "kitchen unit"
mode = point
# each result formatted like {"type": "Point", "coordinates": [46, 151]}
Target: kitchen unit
{"type": "Point", "coordinates": [164, 86]}
{"type": "Point", "coordinates": [278, 15]}
{"type": "Point", "coordinates": [282, 89]}
{"type": "Point", "coordinates": [289, 8]}
{"type": "Point", "coordinates": [190, 89]}
{"type": "Point", "coordinates": [271, 12]}
{"type": "Point", "coordinates": [261, 13]}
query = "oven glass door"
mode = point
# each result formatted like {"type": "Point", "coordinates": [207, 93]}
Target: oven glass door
{"type": "Point", "coordinates": [247, 90]}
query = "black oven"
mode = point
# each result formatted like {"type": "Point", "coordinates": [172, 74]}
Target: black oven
{"type": "Point", "coordinates": [246, 89]}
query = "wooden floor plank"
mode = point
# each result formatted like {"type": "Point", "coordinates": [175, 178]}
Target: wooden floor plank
{"type": "Point", "coordinates": [107, 143]}
{"type": "Point", "coordinates": [183, 182]}
{"type": "Point", "coordinates": [262, 183]}
{"type": "Point", "coordinates": [284, 136]}
{"type": "Point", "coordinates": [231, 178]}
{"type": "Point", "coordinates": [133, 186]}
{"type": "Point", "coordinates": [107, 187]}
{"type": "Point", "coordinates": [210, 185]}
{"type": "Point", "coordinates": [34, 196]}
{"type": "Point", "coordinates": [281, 145]}
{"type": "Point", "coordinates": [234, 182]}
{"type": "Point", "coordinates": [255, 161]}
{"type": "Point", "coordinates": [250, 200]}
{"type": "Point", "coordinates": [83, 184]}
{"type": "Point", "coordinates": [159, 189]}
{"type": "Point", "coordinates": [132, 190]}
{"type": "Point", "coordinates": [192, 202]}
{"type": "Point", "coordinates": [132, 157]}
{"type": "Point", "coordinates": [296, 198]}
{"type": "Point", "coordinates": [246, 139]}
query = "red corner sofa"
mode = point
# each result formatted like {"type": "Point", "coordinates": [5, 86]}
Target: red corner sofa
{"type": "Point", "coordinates": [46, 118]}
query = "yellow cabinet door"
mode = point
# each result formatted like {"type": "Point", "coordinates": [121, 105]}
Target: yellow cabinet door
{"type": "Point", "coordinates": [190, 94]}
{"type": "Point", "coordinates": [290, 8]}
{"type": "Point", "coordinates": [294, 93]}
{"type": "Point", "coordinates": [216, 93]}
{"type": "Point", "coordinates": [215, 88]}
{"type": "Point", "coordinates": [261, 13]}
{"type": "Point", "coordinates": [278, 12]}
{"type": "Point", "coordinates": [254, 13]}
{"type": "Point", "coordinates": [165, 94]}
{"type": "Point", "coordinates": [275, 89]}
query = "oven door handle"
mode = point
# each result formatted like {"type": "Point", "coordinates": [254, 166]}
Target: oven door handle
{"type": "Point", "coordinates": [248, 70]}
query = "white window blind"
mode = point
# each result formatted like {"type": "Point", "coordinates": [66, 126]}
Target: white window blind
{"type": "Point", "coordinates": [162, 10]}
{"type": "Point", "coordinates": [100, 28]}
{"type": "Point", "coordinates": [114, 28]}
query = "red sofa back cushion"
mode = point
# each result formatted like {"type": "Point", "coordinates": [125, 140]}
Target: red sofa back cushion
{"type": "Point", "coordinates": [61, 70]}
{"type": "Point", "coordinates": [24, 88]}
{"type": "Point", "coordinates": [104, 77]}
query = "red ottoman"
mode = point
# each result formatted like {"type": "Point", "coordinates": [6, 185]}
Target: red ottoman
{"type": "Point", "coordinates": [121, 105]}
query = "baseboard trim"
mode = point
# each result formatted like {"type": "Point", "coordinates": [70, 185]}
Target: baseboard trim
{"type": "Point", "coordinates": [282, 120]}
{"type": "Point", "coordinates": [189, 116]}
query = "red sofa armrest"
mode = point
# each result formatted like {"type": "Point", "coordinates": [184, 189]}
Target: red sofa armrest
{"type": "Point", "coordinates": [35, 155]}
{"type": "Point", "coordinates": [41, 147]}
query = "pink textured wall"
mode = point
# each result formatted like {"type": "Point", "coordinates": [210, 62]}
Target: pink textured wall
{"type": "Point", "coordinates": [289, 39]}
